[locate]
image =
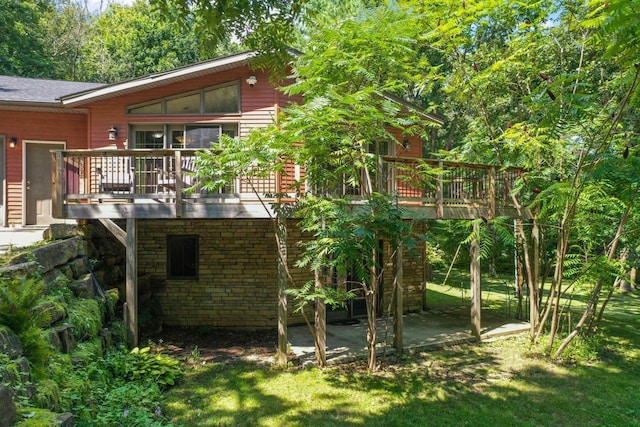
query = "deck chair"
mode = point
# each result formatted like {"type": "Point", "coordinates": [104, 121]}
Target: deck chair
{"type": "Point", "coordinates": [166, 182]}
{"type": "Point", "coordinates": [115, 175]}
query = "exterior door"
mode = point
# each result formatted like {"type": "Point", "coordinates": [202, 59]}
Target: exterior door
{"type": "Point", "coordinates": [37, 182]}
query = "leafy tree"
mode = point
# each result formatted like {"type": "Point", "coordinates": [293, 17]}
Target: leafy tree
{"type": "Point", "coordinates": [131, 41]}
{"type": "Point", "coordinates": [529, 86]}
{"type": "Point", "coordinates": [67, 31]}
{"type": "Point", "coordinates": [23, 40]}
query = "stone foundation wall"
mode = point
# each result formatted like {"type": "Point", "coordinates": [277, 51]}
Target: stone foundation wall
{"type": "Point", "coordinates": [237, 277]}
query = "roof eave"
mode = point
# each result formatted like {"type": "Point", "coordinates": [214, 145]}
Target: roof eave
{"type": "Point", "coordinates": [178, 74]}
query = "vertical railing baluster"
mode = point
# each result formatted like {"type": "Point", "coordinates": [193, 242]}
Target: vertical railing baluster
{"type": "Point", "coordinates": [178, 165]}
{"type": "Point", "coordinates": [439, 192]}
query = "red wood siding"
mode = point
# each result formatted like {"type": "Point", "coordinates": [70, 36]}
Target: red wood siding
{"type": "Point", "coordinates": [257, 107]}
{"type": "Point", "coordinates": [35, 126]}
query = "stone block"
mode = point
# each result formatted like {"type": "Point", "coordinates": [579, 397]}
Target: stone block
{"type": "Point", "coordinates": [49, 313]}
{"type": "Point", "coordinates": [83, 287]}
{"type": "Point", "coordinates": [8, 413]}
{"type": "Point", "coordinates": [9, 343]}
{"type": "Point", "coordinates": [65, 420]}
{"type": "Point", "coordinates": [59, 253]}
{"type": "Point", "coordinates": [63, 231]}
{"type": "Point", "coordinates": [52, 275]}
{"type": "Point", "coordinates": [67, 339]}
{"type": "Point", "coordinates": [78, 267]}
{"type": "Point", "coordinates": [54, 340]}
{"type": "Point", "coordinates": [19, 269]}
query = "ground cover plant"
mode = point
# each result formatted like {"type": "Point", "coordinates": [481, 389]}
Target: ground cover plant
{"type": "Point", "coordinates": [508, 382]}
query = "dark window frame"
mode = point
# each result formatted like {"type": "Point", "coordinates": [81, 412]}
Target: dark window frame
{"type": "Point", "coordinates": [181, 246]}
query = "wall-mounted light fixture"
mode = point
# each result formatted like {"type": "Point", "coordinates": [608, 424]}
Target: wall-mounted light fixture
{"type": "Point", "coordinates": [252, 81]}
{"type": "Point", "coordinates": [113, 133]}
{"type": "Point", "coordinates": [406, 144]}
{"type": "Point", "coordinates": [13, 142]}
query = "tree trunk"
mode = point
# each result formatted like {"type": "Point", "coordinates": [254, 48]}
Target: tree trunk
{"type": "Point", "coordinates": [371, 295]}
{"type": "Point", "coordinates": [320, 321]}
{"type": "Point", "coordinates": [281, 241]}
{"type": "Point", "coordinates": [398, 329]}
{"type": "Point", "coordinates": [595, 294]}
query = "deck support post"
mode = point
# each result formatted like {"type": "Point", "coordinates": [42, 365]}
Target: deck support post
{"type": "Point", "coordinates": [476, 293]}
{"type": "Point", "coordinates": [131, 309]}
{"type": "Point", "coordinates": [398, 326]}
{"type": "Point", "coordinates": [58, 183]}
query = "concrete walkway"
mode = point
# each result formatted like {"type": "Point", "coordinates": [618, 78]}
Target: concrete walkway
{"type": "Point", "coordinates": [14, 237]}
{"type": "Point", "coordinates": [424, 331]}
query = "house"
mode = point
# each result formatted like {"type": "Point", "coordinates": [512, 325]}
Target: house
{"type": "Point", "coordinates": [211, 257]}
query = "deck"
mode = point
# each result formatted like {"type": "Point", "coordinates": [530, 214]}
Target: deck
{"type": "Point", "coordinates": [121, 184]}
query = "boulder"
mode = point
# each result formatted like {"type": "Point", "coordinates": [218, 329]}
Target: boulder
{"type": "Point", "coordinates": [51, 276]}
{"type": "Point", "coordinates": [67, 339]}
{"type": "Point", "coordinates": [10, 343]}
{"type": "Point", "coordinates": [49, 313]}
{"type": "Point", "coordinates": [8, 413]}
{"type": "Point", "coordinates": [59, 253]}
{"type": "Point", "coordinates": [54, 340]}
{"type": "Point", "coordinates": [20, 267]}
{"type": "Point", "coordinates": [65, 420]}
{"type": "Point", "coordinates": [83, 287]}
{"type": "Point", "coordinates": [78, 267]}
{"type": "Point", "coordinates": [63, 231]}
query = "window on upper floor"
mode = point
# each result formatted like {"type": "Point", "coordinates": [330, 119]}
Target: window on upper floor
{"type": "Point", "coordinates": [222, 99]}
{"type": "Point", "coordinates": [190, 135]}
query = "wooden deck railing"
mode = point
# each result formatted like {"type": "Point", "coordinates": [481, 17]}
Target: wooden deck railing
{"type": "Point", "coordinates": [161, 184]}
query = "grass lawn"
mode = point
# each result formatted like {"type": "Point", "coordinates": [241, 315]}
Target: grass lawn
{"type": "Point", "coordinates": [504, 383]}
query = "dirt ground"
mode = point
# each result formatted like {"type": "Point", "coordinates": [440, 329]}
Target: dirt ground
{"type": "Point", "coordinates": [198, 346]}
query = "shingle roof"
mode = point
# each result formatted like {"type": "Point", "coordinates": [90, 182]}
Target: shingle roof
{"type": "Point", "coordinates": [25, 90]}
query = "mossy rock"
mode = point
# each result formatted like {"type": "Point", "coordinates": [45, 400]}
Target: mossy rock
{"type": "Point", "coordinates": [36, 417]}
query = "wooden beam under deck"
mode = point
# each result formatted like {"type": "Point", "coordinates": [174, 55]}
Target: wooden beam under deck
{"type": "Point", "coordinates": [250, 210]}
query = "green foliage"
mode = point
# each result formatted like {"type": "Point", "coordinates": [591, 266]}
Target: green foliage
{"type": "Point", "coordinates": [143, 364]}
{"type": "Point", "coordinates": [36, 350]}
{"type": "Point", "coordinates": [18, 297]}
{"type": "Point", "coordinates": [264, 25]}
{"type": "Point", "coordinates": [435, 255]}
{"type": "Point", "coordinates": [86, 317]}
{"type": "Point", "coordinates": [23, 41]}
{"type": "Point", "coordinates": [307, 295]}
{"type": "Point", "coordinates": [87, 351]}
{"type": "Point", "coordinates": [48, 395]}
{"type": "Point", "coordinates": [36, 417]}
{"type": "Point", "coordinates": [130, 41]}
{"type": "Point", "coordinates": [111, 389]}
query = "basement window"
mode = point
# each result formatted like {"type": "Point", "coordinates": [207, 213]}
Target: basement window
{"type": "Point", "coordinates": [182, 257]}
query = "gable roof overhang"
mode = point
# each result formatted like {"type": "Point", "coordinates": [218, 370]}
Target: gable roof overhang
{"type": "Point", "coordinates": [158, 79]}
{"type": "Point", "coordinates": [415, 108]}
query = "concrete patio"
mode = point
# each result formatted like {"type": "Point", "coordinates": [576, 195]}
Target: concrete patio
{"type": "Point", "coordinates": [428, 330]}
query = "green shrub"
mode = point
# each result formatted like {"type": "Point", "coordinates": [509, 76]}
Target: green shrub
{"type": "Point", "coordinates": [142, 364]}
{"type": "Point", "coordinates": [88, 351]}
{"type": "Point", "coordinates": [47, 395]}
{"type": "Point", "coordinates": [86, 317]}
{"type": "Point", "coordinates": [18, 297]}
{"type": "Point", "coordinates": [106, 392]}
{"type": "Point", "coordinates": [35, 417]}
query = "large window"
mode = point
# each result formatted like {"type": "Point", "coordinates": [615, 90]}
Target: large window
{"type": "Point", "coordinates": [192, 136]}
{"type": "Point", "coordinates": [182, 257]}
{"type": "Point", "coordinates": [223, 99]}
